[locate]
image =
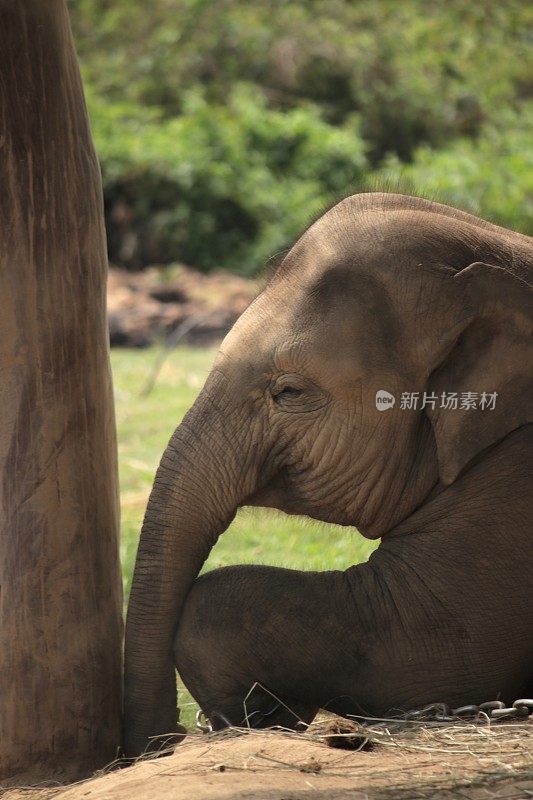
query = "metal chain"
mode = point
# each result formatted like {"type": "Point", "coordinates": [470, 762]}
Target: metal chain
{"type": "Point", "coordinates": [202, 722]}
{"type": "Point", "coordinates": [493, 710]}
{"type": "Point", "coordinates": [435, 713]}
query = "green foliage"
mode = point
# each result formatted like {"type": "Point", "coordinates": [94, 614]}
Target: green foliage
{"type": "Point", "coordinates": [218, 185]}
{"type": "Point", "coordinates": [491, 177]}
{"type": "Point", "coordinates": [429, 68]}
{"type": "Point", "coordinates": [223, 127]}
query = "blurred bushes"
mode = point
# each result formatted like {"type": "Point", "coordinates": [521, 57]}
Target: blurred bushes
{"type": "Point", "coordinates": [223, 126]}
{"type": "Point", "coordinates": [491, 176]}
{"type": "Point", "coordinates": [218, 185]}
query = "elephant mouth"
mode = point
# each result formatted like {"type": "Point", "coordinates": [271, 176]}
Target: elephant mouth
{"type": "Point", "coordinates": [273, 493]}
{"type": "Point", "coordinates": [280, 495]}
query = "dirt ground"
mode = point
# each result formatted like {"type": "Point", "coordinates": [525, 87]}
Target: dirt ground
{"type": "Point", "coordinates": [463, 761]}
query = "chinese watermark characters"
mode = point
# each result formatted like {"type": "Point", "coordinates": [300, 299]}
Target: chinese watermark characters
{"type": "Point", "coordinates": [449, 401]}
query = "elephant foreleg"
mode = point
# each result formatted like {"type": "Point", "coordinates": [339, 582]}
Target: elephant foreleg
{"type": "Point", "coordinates": [253, 644]}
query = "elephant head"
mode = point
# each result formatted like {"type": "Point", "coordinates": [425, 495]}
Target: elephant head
{"type": "Point", "coordinates": [384, 293]}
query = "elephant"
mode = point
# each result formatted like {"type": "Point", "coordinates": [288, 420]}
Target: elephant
{"type": "Point", "coordinates": [383, 379]}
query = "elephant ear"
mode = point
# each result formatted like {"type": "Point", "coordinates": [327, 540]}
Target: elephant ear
{"type": "Point", "coordinates": [489, 368]}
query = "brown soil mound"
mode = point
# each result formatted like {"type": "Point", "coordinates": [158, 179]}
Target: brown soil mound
{"type": "Point", "coordinates": [174, 304]}
{"type": "Point", "coordinates": [463, 761]}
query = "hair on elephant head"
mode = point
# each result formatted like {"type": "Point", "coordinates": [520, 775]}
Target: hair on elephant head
{"type": "Point", "coordinates": [385, 296]}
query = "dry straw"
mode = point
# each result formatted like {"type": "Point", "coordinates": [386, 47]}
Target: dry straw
{"type": "Point", "coordinates": [408, 760]}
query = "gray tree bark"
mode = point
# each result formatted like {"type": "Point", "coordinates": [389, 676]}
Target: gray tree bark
{"type": "Point", "coordinates": [60, 589]}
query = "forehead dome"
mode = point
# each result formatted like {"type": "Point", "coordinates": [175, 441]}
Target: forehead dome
{"type": "Point", "coordinates": [374, 232]}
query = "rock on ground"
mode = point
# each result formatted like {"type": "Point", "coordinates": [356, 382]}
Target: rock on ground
{"type": "Point", "coordinates": [174, 304]}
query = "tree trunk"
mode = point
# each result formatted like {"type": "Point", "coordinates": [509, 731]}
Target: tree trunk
{"type": "Point", "coordinates": [61, 597]}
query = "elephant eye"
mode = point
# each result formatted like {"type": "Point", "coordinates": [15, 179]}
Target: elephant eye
{"type": "Point", "coordinates": [287, 393]}
{"type": "Point", "coordinates": [294, 393]}
{"type": "Point", "coordinates": [287, 388]}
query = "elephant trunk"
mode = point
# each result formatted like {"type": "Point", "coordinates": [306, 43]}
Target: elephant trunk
{"type": "Point", "coordinates": [204, 475]}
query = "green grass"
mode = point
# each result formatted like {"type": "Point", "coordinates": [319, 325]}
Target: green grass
{"type": "Point", "coordinates": [145, 424]}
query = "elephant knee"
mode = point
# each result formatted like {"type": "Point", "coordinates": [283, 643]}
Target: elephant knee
{"type": "Point", "coordinates": [196, 626]}
{"type": "Point", "coordinates": [207, 631]}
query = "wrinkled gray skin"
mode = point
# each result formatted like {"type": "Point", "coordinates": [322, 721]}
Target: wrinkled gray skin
{"type": "Point", "coordinates": [382, 292]}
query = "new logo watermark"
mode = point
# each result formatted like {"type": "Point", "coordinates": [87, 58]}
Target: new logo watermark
{"type": "Point", "coordinates": [384, 400]}
{"type": "Point", "coordinates": [450, 401]}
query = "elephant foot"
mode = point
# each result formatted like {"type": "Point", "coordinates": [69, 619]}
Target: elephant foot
{"type": "Point", "coordinates": [157, 747]}
{"type": "Point", "coordinates": [162, 745]}
{"type": "Point", "coordinates": [258, 709]}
